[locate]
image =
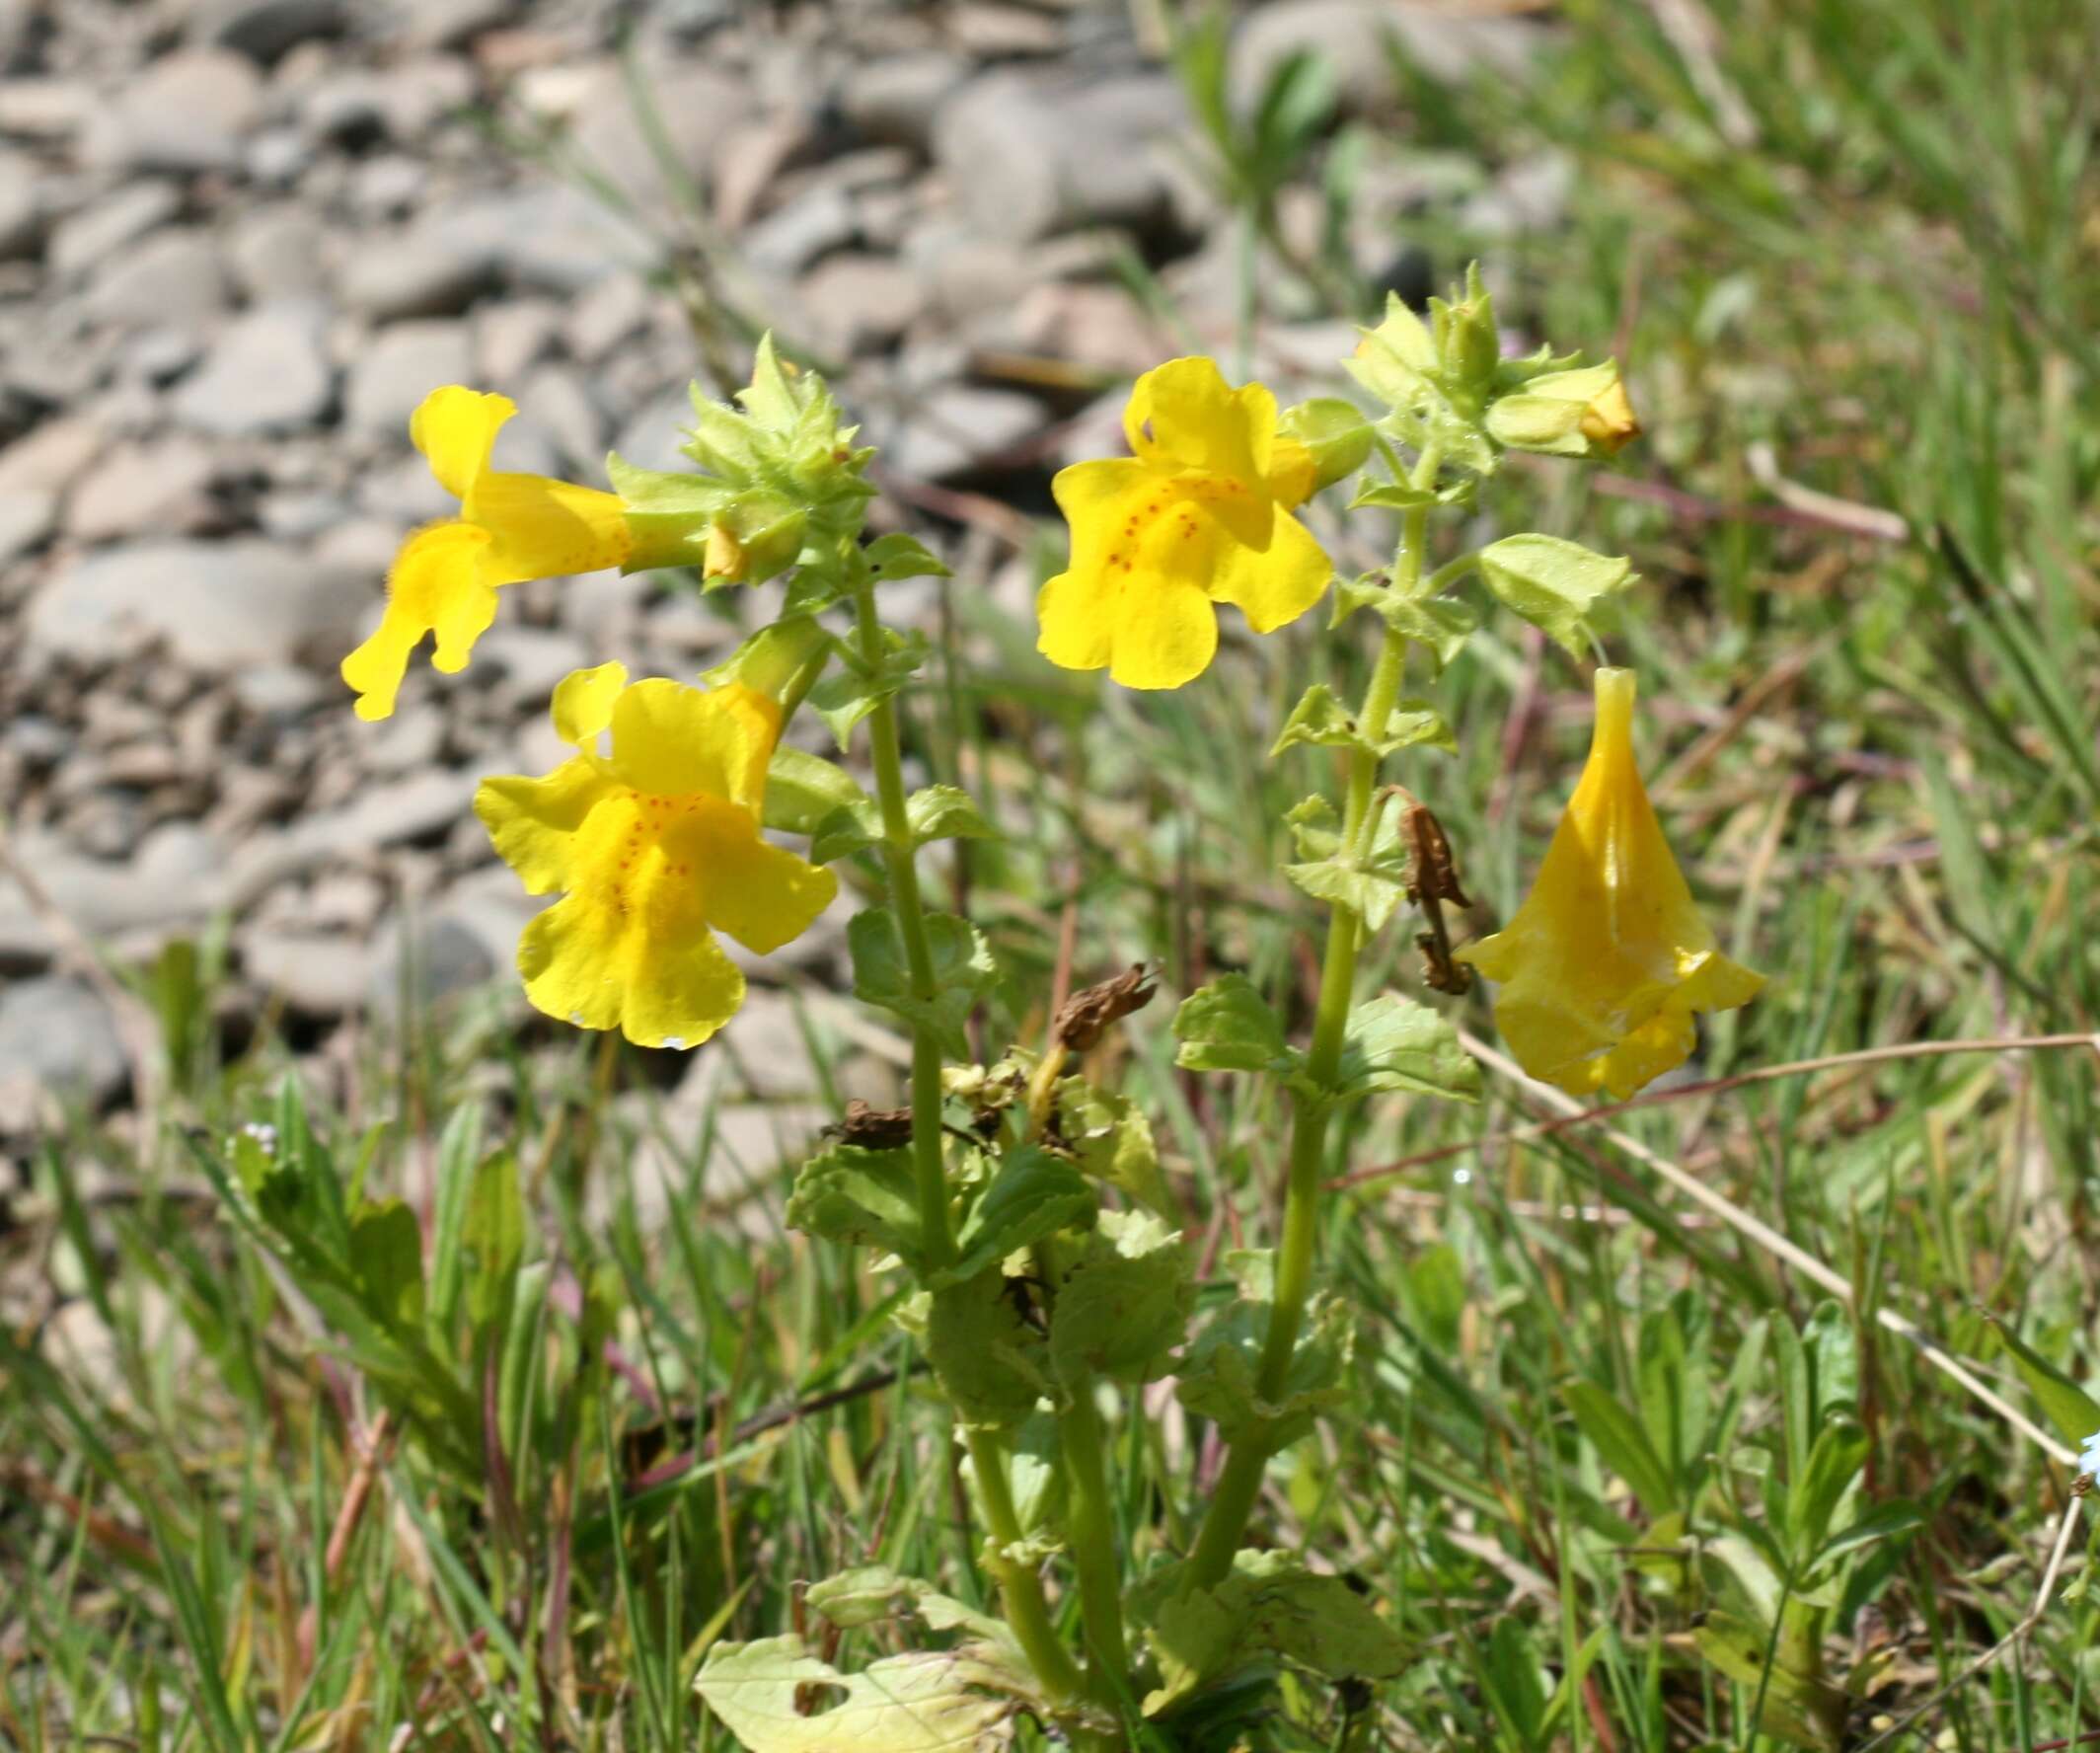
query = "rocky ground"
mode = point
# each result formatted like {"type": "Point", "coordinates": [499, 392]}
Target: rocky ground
{"type": "Point", "coordinates": [240, 239]}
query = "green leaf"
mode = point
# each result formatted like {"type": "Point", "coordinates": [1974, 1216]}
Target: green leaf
{"type": "Point", "coordinates": [1624, 1446]}
{"type": "Point", "coordinates": [991, 1362]}
{"type": "Point", "coordinates": [1123, 1307]}
{"type": "Point", "coordinates": [1270, 1609]}
{"type": "Point", "coordinates": [385, 1262]}
{"type": "Point", "coordinates": [901, 556]}
{"type": "Point", "coordinates": [1220, 1379]}
{"type": "Point", "coordinates": [849, 694]}
{"type": "Point", "coordinates": [1554, 585]}
{"type": "Point", "coordinates": [1319, 717]}
{"type": "Point", "coordinates": [1373, 884]}
{"type": "Point", "coordinates": [1034, 1194]}
{"type": "Point", "coordinates": [1516, 1688]}
{"type": "Point", "coordinates": [869, 1594]}
{"type": "Point", "coordinates": [962, 970]}
{"type": "Point", "coordinates": [775, 1697]}
{"type": "Point", "coordinates": [1402, 496]}
{"type": "Point", "coordinates": [865, 1198]}
{"type": "Point", "coordinates": [677, 494]}
{"type": "Point", "coordinates": [933, 812]}
{"type": "Point", "coordinates": [493, 1238]}
{"type": "Point", "coordinates": [1227, 1026]}
{"type": "Point", "coordinates": [1112, 1140]}
{"type": "Point", "coordinates": [1392, 1043]}
{"type": "Point", "coordinates": [1440, 625]}
{"type": "Point", "coordinates": [802, 788]}
{"type": "Point", "coordinates": [2074, 1411]}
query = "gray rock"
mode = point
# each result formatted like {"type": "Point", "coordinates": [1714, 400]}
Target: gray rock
{"type": "Point", "coordinates": [447, 23]}
{"type": "Point", "coordinates": [28, 514]}
{"type": "Point", "coordinates": [156, 484]}
{"type": "Point", "coordinates": [421, 961]}
{"type": "Point", "coordinates": [893, 98]}
{"type": "Point", "coordinates": [320, 973]}
{"type": "Point", "coordinates": [546, 238]}
{"type": "Point", "coordinates": [858, 302]}
{"type": "Point", "coordinates": [171, 878]}
{"type": "Point", "coordinates": [185, 112]}
{"type": "Point", "coordinates": [277, 692]}
{"type": "Point", "coordinates": [555, 405]}
{"type": "Point", "coordinates": [653, 437]}
{"type": "Point", "coordinates": [510, 336]}
{"type": "Point", "coordinates": [218, 605]}
{"type": "Point", "coordinates": [530, 661]}
{"type": "Point", "coordinates": [45, 109]}
{"type": "Point", "coordinates": [277, 252]}
{"type": "Point", "coordinates": [301, 514]}
{"type": "Point", "coordinates": [699, 107]}
{"type": "Point", "coordinates": [279, 157]}
{"type": "Point", "coordinates": [605, 316]}
{"type": "Point", "coordinates": [171, 276]}
{"type": "Point", "coordinates": [57, 1034]}
{"type": "Point", "coordinates": [160, 355]}
{"type": "Point", "coordinates": [407, 742]}
{"type": "Point", "coordinates": [264, 29]}
{"type": "Point", "coordinates": [418, 271]}
{"type": "Point", "coordinates": [81, 239]}
{"type": "Point", "coordinates": [52, 456]}
{"type": "Point", "coordinates": [388, 186]}
{"type": "Point", "coordinates": [266, 373]}
{"type": "Point", "coordinates": [398, 367]}
{"type": "Point", "coordinates": [960, 427]}
{"type": "Point", "coordinates": [1028, 155]}
{"type": "Point", "coordinates": [1527, 196]}
{"type": "Point", "coordinates": [1357, 40]}
{"type": "Point", "coordinates": [815, 223]}
{"type": "Point", "coordinates": [22, 214]}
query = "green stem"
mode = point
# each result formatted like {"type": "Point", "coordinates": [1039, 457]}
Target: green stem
{"type": "Point", "coordinates": [1021, 1589]}
{"type": "Point", "coordinates": [1097, 1553]}
{"type": "Point", "coordinates": [1239, 1484]}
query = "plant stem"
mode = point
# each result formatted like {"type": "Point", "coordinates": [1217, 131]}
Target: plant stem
{"type": "Point", "coordinates": [1239, 1484]}
{"type": "Point", "coordinates": [1021, 1589]}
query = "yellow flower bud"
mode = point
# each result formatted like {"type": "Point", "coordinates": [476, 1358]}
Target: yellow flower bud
{"type": "Point", "coordinates": [1609, 422]}
{"type": "Point", "coordinates": [725, 555]}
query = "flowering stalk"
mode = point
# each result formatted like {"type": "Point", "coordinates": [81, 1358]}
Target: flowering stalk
{"type": "Point", "coordinates": [1240, 1483]}
{"type": "Point", "coordinates": [1021, 1589]}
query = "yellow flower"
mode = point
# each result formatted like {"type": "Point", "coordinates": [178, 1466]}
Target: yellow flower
{"type": "Point", "coordinates": [1608, 421]}
{"type": "Point", "coordinates": [1199, 515]}
{"type": "Point", "coordinates": [655, 848]}
{"type": "Point", "coordinates": [510, 527]}
{"type": "Point", "coordinates": [1608, 959]}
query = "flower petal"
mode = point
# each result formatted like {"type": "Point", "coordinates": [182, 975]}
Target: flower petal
{"type": "Point", "coordinates": [1183, 414]}
{"type": "Point", "coordinates": [1165, 632]}
{"type": "Point", "coordinates": [437, 583]}
{"type": "Point", "coordinates": [533, 822]}
{"type": "Point", "coordinates": [1272, 587]}
{"type": "Point", "coordinates": [455, 429]}
{"type": "Point", "coordinates": [1604, 964]}
{"type": "Point", "coordinates": [761, 894]}
{"type": "Point", "coordinates": [584, 702]}
{"type": "Point", "coordinates": [594, 967]}
{"type": "Point", "coordinates": [673, 740]}
{"type": "Point", "coordinates": [544, 528]}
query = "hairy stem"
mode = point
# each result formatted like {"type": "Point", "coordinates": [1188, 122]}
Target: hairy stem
{"type": "Point", "coordinates": [1021, 1589]}
{"type": "Point", "coordinates": [1239, 1484]}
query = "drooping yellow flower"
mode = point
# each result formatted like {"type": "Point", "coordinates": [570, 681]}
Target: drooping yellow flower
{"type": "Point", "coordinates": [654, 846]}
{"type": "Point", "coordinates": [1608, 959]}
{"type": "Point", "coordinates": [1200, 516]}
{"type": "Point", "coordinates": [510, 527]}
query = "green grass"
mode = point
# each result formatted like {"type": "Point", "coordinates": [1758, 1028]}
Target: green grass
{"type": "Point", "coordinates": [1861, 235]}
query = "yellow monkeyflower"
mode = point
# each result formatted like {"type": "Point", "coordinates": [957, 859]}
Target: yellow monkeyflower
{"type": "Point", "coordinates": [510, 527]}
{"type": "Point", "coordinates": [1608, 957]}
{"type": "Point", "coordinates": [1200, 516]}
{"type": "Point", "coordinates": [655, 848]}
